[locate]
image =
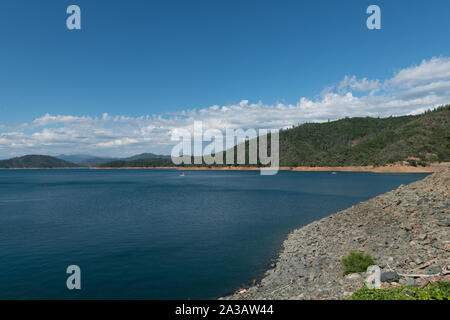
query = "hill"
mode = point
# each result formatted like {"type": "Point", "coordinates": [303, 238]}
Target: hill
{"type": "Point", "coordinates": [95, 161]}
{"type": "Point", "coordinates": [75, 158]}
{"type": "Point", "coordinates": [92, 161]}
{"type": "Point", "coordinates": [369, 141]}
{"type": "Point", "coordinates": [139, 163]}
{"type": "Point", "coordinates": [134, 161]}
{"type": "Point", "coordinates": [416, 139]}
{"type": "Point", "coordinates": [146, 156]}
{"type": "Point", "coordinates": [36, 161]}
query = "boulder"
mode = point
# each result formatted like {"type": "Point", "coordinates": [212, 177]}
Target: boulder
{"type": "Point", "coordinates": [373, 281]}
{"type": "Point", "coordinates": [390, 276]}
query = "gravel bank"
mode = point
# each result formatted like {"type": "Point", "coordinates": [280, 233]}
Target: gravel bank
{"type": "Point", "coordinates": [406, 230]}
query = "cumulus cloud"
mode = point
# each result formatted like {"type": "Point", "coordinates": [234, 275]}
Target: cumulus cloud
{"type": "Point", "coordinates": [428, 71]}
{"type": "Point", "coordinates": [409, 91]}
{"type": "Point", "coordinates": [362, 85]}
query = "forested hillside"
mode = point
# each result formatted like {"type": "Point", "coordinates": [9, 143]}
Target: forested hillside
{"type": "Point", "coordinates": [36, 161]}
{"type": "Point", "coordinates": [367, 141]}
{"type": "Point", "coordinates": [418, 139]}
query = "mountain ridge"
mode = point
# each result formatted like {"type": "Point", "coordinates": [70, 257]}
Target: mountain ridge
{"type": "Point", "coordinates": [359, 141]}
{"type": "Point", "coordinates": [93, 161]}
{"type": "Point", "coordinates": [36, 161]}
{"type": "Point", "coordinates": [417, 140]}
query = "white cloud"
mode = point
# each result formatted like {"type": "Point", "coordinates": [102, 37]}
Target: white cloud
{"type": "Point", "coordinates": [431, 70]}
{"type": "Point", "coordinates": [363, 85]}
{"type": "Point", "coordinates": [409, 91]}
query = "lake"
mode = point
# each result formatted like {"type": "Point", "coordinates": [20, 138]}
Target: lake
{"type": "Point", "coordinates": [153, 234]}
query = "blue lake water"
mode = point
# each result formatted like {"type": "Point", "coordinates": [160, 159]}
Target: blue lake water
{"type": "Point", "coordinates": [152, 234]}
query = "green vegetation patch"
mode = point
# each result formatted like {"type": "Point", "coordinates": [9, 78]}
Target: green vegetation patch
{"type": "Point", "coordinates": [434, 291]}
{"type": "Point", "coordinates": [350, 142]}
{"type": "Point", "coordinates": [356, 261]}
{"type": "Point", "coordinates": [36, 161]}
{"type": "Point", "coordinates": [369, 141]}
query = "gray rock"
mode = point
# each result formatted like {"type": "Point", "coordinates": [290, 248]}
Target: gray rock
{"type": "Point", "coordinates": [410, 282]}
{"type": "Point", "coordinates": [422, 237]}
{"type": "Point", "coordinates": [444, 223]}
{"type": "Point", "coordinates": [353, 276]}
{"type": "Point", "coordinates": [432, 270]}
{"type": "Point", "coordinates": [373, 280]}
{"type": "Point", "coordinates": [302, 273]}
{"type": "Point", "coordinates": [390, 276]}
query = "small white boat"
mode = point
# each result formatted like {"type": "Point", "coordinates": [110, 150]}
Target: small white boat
{"type": "Point", "coordinates": [333, 172]}
{"type": "Point", "coordinates": [182, 175]}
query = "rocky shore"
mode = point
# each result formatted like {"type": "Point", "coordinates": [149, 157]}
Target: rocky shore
{"type": "Point", "coordinates": [406, 231]}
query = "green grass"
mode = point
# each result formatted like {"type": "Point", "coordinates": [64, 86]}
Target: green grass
{"type": "Point", "coordinates": [356, 261]}
{"type": "Point", "coordinates": [434, 291]}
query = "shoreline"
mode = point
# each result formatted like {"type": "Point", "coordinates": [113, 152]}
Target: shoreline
{"type": "Point", "coordinates": [394, 168]}
{"type": "Point", "coordinates": [405, 230]}
{"type": "Point", "coordinates": [434, 167]}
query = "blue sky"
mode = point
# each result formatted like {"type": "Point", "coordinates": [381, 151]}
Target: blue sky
{"type": "Point", "coordinates": [167, 58]}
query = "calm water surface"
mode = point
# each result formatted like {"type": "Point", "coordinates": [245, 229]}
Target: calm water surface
{"type": "Point", "coordinates": [152, 234]}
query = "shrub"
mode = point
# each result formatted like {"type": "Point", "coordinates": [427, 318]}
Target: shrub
{"type": "Point", "coordinates": [422, 163]}
{"type": "Point", "coordinates": [434, 291]}
{"type": "Point", "coordinates": [356, 261]}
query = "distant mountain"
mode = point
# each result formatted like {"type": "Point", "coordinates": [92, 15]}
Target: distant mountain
{"type": "Point", "coordinates": [142, 163]}
{"type": "Point", "coordinates": [146, 156]}
{"type": "Point", "coordinates": [75, 158]}
{"type": "Point", "coordinates": [140, 160]}
{"type": "Point", "coordinates": [416, 139]}
{"type": "Point", "coordinates": [94, 162]}
{"type": "Point", "coordinates": [36, 161]}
